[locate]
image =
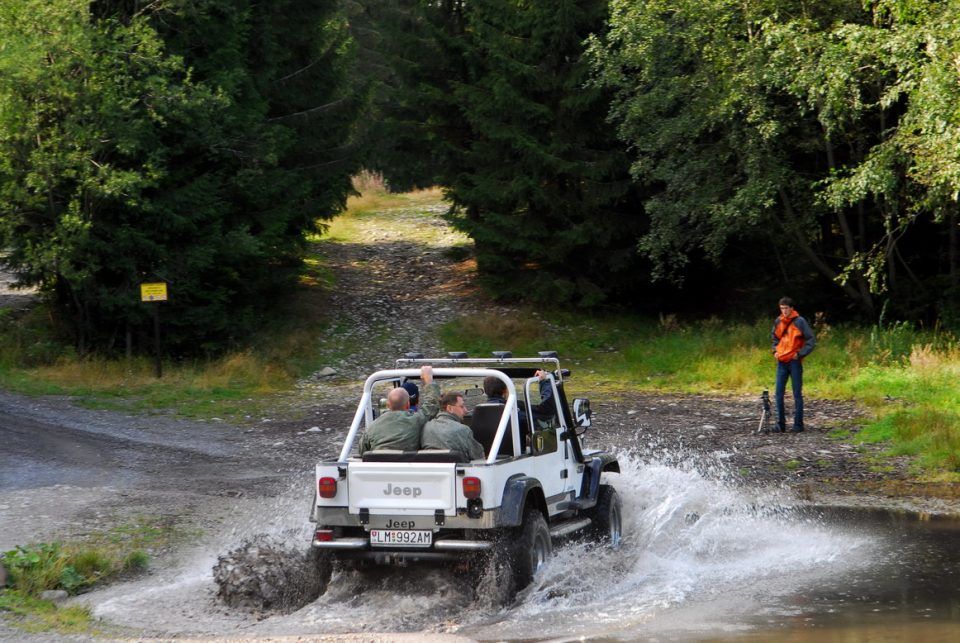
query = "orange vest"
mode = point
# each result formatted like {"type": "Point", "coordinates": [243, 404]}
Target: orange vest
{"type": "Point", "coordinates": [791, 339]}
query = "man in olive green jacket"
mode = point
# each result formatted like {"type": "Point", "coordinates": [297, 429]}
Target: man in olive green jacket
{"type": "Point", "coordinates": [399, 427]}
{"type": "Point", "coordinates": [446, 431]}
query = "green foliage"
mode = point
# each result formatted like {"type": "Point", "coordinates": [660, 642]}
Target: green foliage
{"type": "Point", "coordinates": [130, 154]}
{"type": "Point", "coordinates": [36, 568]}
{"type": "Point", "coordinates": [806, 137]}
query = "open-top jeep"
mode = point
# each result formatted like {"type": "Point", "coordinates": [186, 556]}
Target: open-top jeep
{"type": "Point", "coordinates": [532, 488]}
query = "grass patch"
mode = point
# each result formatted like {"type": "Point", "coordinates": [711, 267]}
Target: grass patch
{"type": "Point", "coordinates": [76, 567]}
{"type": "Point", "coordinates": [33, 615]}
{"type": "Point", "coordinates": [791, 465]}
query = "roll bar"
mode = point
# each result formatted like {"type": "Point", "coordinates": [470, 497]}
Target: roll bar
{"type": "Point", "coordinates": [481, 361]}
{"type": "Point", "coordinates": [365, 409]}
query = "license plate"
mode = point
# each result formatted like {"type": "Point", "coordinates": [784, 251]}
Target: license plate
{"type": "Point", "coordinates": [401, 538]}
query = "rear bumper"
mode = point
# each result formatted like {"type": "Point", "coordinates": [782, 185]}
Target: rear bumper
{"type": "Point", "coordinates": [442, 551]}
{"type": "Point", "coordinates": [447, 545]}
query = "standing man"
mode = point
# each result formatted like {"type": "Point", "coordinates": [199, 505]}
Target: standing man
{"type": "Point", "coordinates": [792, 340]}
{"type": "Point", "coordinates": [447, 430]}
{"type": "Point", "coordinates": [399, 427]}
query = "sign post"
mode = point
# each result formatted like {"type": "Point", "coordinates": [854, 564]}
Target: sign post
{"type": "Point", "coordinates": [155, 293]}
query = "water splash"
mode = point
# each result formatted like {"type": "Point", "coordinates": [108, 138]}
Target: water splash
{"type": "Point", "coordinates": [691, 535]}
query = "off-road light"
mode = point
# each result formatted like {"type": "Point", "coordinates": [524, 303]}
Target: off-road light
{"type": "Point", "coordinates": [323, 535]}
{"type": "Point", "coordinates": [327, 487]}
{"type": "Point", "coordinates": [471, 487]}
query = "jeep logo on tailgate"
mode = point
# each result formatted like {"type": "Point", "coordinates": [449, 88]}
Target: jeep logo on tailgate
{"type": "Point", "coordinates": [390, 490]}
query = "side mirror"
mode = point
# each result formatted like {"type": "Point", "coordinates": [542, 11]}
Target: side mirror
{"type": "Point", "coordinates": [581, 413]}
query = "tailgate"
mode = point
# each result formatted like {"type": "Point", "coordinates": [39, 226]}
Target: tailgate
{"type": "Point", "coordinates": [402, 488]}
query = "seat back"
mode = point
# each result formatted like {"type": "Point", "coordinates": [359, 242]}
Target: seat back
{"type": "Point", "coordinates": [424, 455]}
{"type": "Point", "coordinates": [486, 418]}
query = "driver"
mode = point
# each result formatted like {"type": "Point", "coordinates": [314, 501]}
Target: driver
{"type": "Point", "coordinates": [496, 392]}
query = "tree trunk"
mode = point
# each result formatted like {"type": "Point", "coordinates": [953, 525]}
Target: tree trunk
{"type": "Point", "coordinates": [865, 302]}
{"type": "Point", "coordinates": [953, 223]}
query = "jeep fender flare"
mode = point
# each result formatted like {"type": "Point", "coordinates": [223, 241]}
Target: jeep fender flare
{"type": "Point", "coordinates": [520, 491]}
{"type": "Point", "coordinates": [598, 464]}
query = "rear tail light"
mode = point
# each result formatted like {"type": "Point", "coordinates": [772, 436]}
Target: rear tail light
{"type": "Point", "coordinates": [327, 487]}
{"type": "Point", "coordinates": [323, 535]}
{"type": "Point", "coordinates": [471, 487]}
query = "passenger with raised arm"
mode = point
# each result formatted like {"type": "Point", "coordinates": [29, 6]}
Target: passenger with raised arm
{"type": "Point", "coordinates": [447, 430]}
{"type": "Point", "coordinates": [399, 427]}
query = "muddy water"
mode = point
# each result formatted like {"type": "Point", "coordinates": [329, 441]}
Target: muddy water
{"type": "Point", "coordinates": [701, 559]}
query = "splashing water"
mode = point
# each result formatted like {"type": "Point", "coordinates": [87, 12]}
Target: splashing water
{"type": "Point", "coordinates": [696, 549]}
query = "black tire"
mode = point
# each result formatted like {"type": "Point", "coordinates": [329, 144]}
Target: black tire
{"type": "Point", "coordinates": [532, 547]}
{"type": "Point", "coordinates": [607, 517]}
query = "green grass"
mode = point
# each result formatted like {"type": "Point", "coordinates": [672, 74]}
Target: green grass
{"type": "Point", "coordinates": [33, 615]}
{"type": "Point", "coordinates": [75, 567]}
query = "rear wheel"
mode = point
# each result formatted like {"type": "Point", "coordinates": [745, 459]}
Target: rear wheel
{"type": "Point", "coordinates": [532, 548]}
{"type": "Point", "coordinates": [607, 517]}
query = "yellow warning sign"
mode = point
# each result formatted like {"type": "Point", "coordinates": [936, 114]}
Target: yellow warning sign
{"type": "Point", "coordinates": [153, 292]}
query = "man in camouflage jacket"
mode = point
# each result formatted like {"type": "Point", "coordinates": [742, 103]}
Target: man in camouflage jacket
{"type": "Point", "coordinates": [446, 431]}
{"type": "Point", "coordinates": [399, 427]}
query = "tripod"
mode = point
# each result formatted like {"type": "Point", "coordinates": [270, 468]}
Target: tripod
{"type": "Point", "coordinates": [764, 412]}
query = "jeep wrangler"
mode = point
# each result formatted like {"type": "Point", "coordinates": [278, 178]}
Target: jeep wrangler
{"type": "Point", "coordinates": [534, 486]}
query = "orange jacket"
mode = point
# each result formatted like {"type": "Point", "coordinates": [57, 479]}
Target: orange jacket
{"type": "Point", "coordinates": [792, 337]}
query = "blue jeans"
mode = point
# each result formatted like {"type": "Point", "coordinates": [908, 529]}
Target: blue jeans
{"type": "Point", "coordinates": [793, 370]}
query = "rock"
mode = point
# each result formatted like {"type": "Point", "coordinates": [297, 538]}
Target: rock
{"type": "Point", "coordinates": [54, 595]}
{"type": "Point", "coordinates": [326, 371]}
{"type": "Point", "coordinates": [313, 429]}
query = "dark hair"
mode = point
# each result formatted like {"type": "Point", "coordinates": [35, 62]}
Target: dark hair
{"type": "Point", "coordinates": [493, 387]}
{"type": "Point", "coordinates": [786, 301]}
{"type": "Point", "coordinates": [449, 399]}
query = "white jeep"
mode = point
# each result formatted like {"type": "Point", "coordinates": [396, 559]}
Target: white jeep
{"type": "Point", "coordinates": [403, 507]}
